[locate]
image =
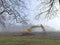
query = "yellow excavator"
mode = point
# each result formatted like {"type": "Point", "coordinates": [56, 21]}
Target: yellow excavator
{"type": "Point", "coordinates": [29, 30]}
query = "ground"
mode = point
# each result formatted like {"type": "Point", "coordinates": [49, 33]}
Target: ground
{"type": "Point", "coordinates": [27, 40]}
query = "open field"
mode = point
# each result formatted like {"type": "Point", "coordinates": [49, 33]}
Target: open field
{"type": "Point", "coordinates": [11, 39]}
{"type": "Point", "coordinates": [24, 40]}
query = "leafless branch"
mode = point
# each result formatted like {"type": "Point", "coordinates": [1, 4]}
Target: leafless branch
{"type": "Point", "coordinates": [49, 12]}
{"type": "Point", "coordinates": [13, 11]}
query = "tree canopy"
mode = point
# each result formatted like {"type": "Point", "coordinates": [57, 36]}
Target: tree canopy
{"type": "Point", "coordinates": [48, 10]}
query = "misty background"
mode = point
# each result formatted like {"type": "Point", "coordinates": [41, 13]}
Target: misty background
{"type": "Point", "coordinates": [20, 14]}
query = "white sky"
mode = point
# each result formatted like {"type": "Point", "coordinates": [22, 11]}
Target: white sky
{"type": "Point", "coordinates": [32, 4]}
{"type": "Point", "coordinates": [56, 21]}
{"type": "Point", "coordinates": [31, 12]}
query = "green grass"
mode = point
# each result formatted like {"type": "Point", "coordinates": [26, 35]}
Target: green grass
{"type": "Point", "coordinates": [24, 40]}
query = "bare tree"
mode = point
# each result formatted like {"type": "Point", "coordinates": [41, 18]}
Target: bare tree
{"type": "Point", "coordinates": [2, 18]}
{"type": "Point", "coordinates": [50, 12]}
{"type": "Point", "coordinates": [59, 1]}
{"type": "Point", "coordinates": [12, 11]}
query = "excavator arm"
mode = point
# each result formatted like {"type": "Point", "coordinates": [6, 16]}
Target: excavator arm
{"type": "Point", "coordinates": [29, 30]}
{"type": "Point", "coordinates": [43, 28]}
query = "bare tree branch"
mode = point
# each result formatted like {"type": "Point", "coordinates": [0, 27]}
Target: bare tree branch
{"type": "Point", "coordinates": [50, 11]}
{"type": "Point", "coordinates": [13, 11]}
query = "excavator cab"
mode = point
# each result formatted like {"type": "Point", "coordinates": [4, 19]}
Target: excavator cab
{"type": "Point", "coordinates": [26, 31]}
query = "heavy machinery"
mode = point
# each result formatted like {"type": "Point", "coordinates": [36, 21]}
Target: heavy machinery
{"type": "Point", "coordinates": [29, 30]}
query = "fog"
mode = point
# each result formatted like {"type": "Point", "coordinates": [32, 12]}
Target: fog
{"type": "Point", "coordinates": [50, 25]}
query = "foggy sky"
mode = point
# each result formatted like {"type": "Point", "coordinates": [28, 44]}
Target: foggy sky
{"type": "Point", "coordinates": [32, 6]}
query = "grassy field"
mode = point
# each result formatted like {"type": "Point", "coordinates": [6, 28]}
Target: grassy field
{"type": "Point", "coordinates": [27, 40]}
